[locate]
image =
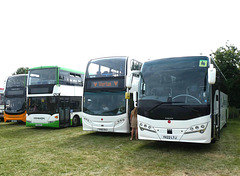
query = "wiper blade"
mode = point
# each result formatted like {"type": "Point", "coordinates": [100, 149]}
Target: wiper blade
{"type": "Point", "coordinates": [160, 103]}
{"type": "Point", "coordinates": [187, 107]}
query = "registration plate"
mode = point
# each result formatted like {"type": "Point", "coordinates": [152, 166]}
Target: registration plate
{"type": "Point", "coordinates": [38, 124]}
{"type": "Point", "coordinates": [170, 137]}
{"type": "Point", "coordinates": [102, 129]}
{"type": "Point", "coordinates": [13, 120]}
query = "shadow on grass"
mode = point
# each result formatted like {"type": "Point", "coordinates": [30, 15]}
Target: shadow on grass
{"type": "Point", "coordinates": [12, 124]}
{"type": "Point", "coordinates": [77, 138]}
{"type": "Point", "coordinates": [95, 137]}
{"type": "Point", "coordinates": [177, 146]}
{"type": "Point", "coordinates": [97, 141]}
{"type": "Point", "coordinates": [103, 141]}
{"type": "Point", "coordinates": [106, 135]}
{"type": "Point", "coordinates": [14, 130]}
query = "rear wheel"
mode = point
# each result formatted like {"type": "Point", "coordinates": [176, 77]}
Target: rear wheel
{"type": "Point", "coordinates": [217, 127]}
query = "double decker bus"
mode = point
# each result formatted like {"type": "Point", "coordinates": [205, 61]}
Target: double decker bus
{"type": "Point", "coordinates": [1, 103]}
{"type": "Point", "coordinates": [15, 99]}
{"type": "Point", "coordinates": [54, 97]}
{"type": "Point", "coordinates": [105, 108]}
{"type": "Point", "coordinates": [181, 99]}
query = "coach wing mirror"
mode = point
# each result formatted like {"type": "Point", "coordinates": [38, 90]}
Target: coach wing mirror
{"type": "Point", "coordinates": [135, 98]}
{"type": "Point", "coordinates": [211, 74]}
{"type": "Point", "coordinates": [130, 78]}
{"type": "Point", "coordinates": [129, 81]}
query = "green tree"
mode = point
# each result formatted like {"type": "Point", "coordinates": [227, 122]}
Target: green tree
{"type": "Point", "coordinates": [21, 70]}
{"type": "Point", "coordinates": [228, 60]}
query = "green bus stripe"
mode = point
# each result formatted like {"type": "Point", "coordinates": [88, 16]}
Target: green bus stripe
{"type": "Point", "coordinates": [52, 125]}
{"type": "Point", "coordinates": [71, 70]}
{"type": "Point", "coordinates": [60, 68]}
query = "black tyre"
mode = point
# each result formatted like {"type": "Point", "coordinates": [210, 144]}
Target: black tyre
{"type": "Point", "coordinates": [75, 121]}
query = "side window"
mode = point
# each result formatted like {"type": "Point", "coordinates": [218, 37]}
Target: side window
{"type": "Point", "coordinates": [73, 80]}
{"type": "Point", "coordinates": [79, 80]}
{"type": "Point", "coordinates": [82, 79]}
{"type": "Point", "coordinates": [76, 79]}
{"type": "Point", "coordinates": [67, 78]}
{"type": "Point", "coordinates": [76, 104]}
{"type": "Point", "coordinates": [135, 65]}
{"type": "Point", "coordinates": [64, 77]}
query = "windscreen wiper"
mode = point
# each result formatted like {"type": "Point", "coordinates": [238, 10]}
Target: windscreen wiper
{"type": "Point", "coordinates": [160, 103]}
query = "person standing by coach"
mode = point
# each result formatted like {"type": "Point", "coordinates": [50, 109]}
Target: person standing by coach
{"type": "Point", "coordinates": [133, 119]}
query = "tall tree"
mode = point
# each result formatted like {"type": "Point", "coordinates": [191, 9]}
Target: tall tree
{"type": "Point", "coordinates": [21, 70]}
{"type": "Point", "coordinates": [228, 60]}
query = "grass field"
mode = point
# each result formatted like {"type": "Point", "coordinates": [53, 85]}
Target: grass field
{"type": "Point", "coordinates": [72, 151]}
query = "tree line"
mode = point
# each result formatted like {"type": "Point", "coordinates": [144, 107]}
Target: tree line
{"type": "Point", "coordinates": [228, 60]}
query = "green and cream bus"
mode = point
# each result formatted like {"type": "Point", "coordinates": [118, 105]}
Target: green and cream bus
{"type": "Point", "coordinates": [54, 97]}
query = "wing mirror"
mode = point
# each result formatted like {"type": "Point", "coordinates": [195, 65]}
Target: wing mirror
{"type": "Point", "coordinates": [211, 74]}
{"type": "Point", "coordinates": [130, 78]}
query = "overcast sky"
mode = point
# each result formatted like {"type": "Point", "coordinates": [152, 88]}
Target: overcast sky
{"type": "Point", "coordinates": [69, 33]}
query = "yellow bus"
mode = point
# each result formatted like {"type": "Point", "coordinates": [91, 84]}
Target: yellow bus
{"type": "Point", "coordinates": [15, 99]}
{"type": "Point", "coordinates": [1, 103]}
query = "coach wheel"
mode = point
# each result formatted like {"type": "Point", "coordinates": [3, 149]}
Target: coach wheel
{"type": "Point", "coordinates": [75, 121]}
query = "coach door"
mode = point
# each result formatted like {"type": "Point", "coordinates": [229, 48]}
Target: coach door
{"type": "Point", "coordinates": [216, 116]}
{"type": "Point", "coordinates": [64, 112]}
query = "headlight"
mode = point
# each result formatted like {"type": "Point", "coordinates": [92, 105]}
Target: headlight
{"type": "Point", "coordinates": [144, 126]}
{"type": "Point", "coordinates": [87, 120]}
{"type": "Point", "coordinates": [119, 121]}
{"type": "Point", "coordinates": [197, 128]}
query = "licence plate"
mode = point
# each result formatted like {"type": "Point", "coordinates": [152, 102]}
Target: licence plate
{"type": "Point", "coordinates": [13, 120]}
{"type": "Point", "coordinates": [170, 137]}
{"type": "Point", "coordinates": [102, 129]}
{"type": "Point", "coordinates": [38, 124]}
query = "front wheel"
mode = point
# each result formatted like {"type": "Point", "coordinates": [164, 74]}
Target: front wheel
{"type": "Point", "coordinates": [75, 121]}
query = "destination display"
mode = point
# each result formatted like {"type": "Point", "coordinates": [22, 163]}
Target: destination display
{"type": "Point", "coordinates": [40, 89]}
{"type": "Point", "coordinates": [15, 92]}
{"type": "Point", "coordinates": [104, 84]}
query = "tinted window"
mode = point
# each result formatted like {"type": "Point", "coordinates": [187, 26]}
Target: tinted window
{"type": "Point", "coordinates": [16, 81]}
{"type": "Point", "coordinates": [104, 103]}
{"type": "Point", "coordinates": [1, 99]}
{"type": "Point", "coordinates": [68, 78]}
{"type": "Point", "coordinates": [75, 104]}
{"type": "Point", "coordinates": [64, 77]}
{"type": "Point", "coordinates": [106, 67]}
{"type": "Point", "coordinates": [15, 105]}
{"type": "Point", "coordinates": [174, 88]}
{"type": "Point", "coordinates": [176, 80]}
{"type": "Point", "coordinates": [42, 76]}
{"type": "Point", "coordinates": [42, 105]}
{"type": "Point", "coordinates": [136, 65]}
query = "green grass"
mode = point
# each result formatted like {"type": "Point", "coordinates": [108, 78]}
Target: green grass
{"type": "Point", "coordinates": [71, 151]}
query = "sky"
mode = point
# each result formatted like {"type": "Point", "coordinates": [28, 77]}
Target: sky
{"type": "Point", "coordinates": [68, 33]}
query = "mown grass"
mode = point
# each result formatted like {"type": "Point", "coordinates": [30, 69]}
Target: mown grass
{"type": "Point", "coordinates": [71, 151]}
